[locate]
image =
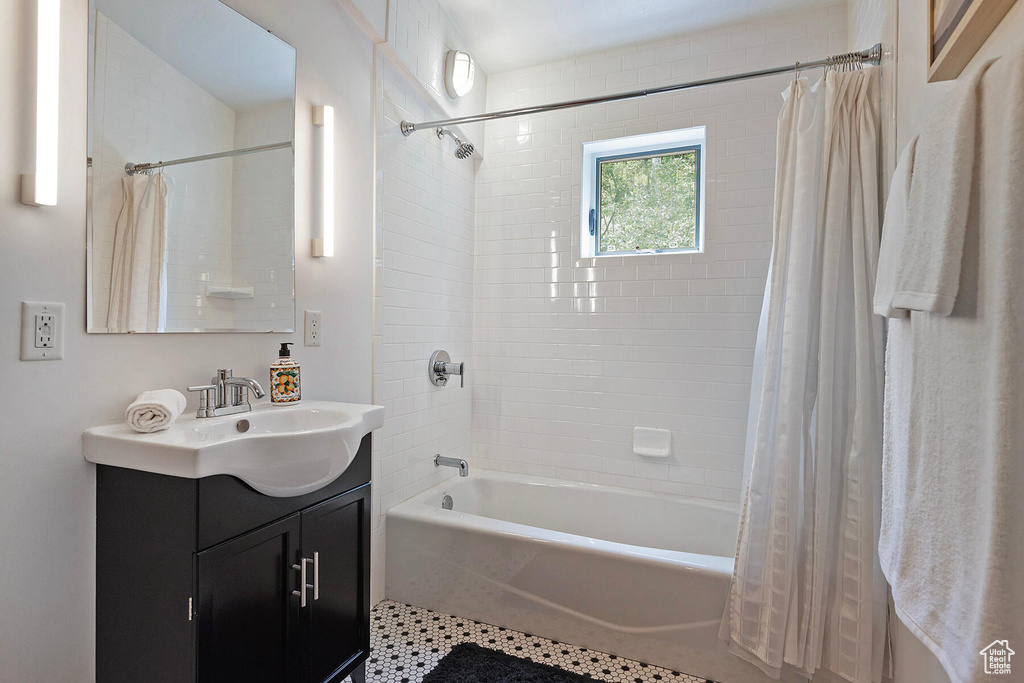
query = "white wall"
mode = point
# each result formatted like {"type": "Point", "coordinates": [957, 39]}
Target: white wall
{"type": "Point", "coordinates": [47, 501]}
{"type": "Point", "coordinates": [372, 15]}
{"type": "Point", "coordinates": [426, 226]}
{"type": "Point", "coordinates": [571, 353]}
{"type": "Point", "coordinates": [914, 662]}
{"type": "Point", "coordinates": [916, 95]}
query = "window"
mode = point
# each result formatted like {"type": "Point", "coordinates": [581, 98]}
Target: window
{"type": "Point", "coordinates": [643, 194]}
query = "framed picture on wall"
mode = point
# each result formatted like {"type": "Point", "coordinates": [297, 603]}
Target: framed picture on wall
{"type": "Point", "coordinates": [956, 30]}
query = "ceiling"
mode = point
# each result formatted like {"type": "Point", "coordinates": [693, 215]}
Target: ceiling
{"type": "Point", "coordinates": [242, 65]}
{"type": "Point", "coordinates": [508, 34]}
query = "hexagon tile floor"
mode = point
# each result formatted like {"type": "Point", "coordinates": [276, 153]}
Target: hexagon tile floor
{"type": "Point", "coordinates": [406, 642]}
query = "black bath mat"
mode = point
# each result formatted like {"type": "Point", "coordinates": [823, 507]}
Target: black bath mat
{"type": "Point", "coordinates": [470, 663]}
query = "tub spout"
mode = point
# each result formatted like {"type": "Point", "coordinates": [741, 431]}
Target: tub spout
{"type": "Point", "coordinates": [440, 460]}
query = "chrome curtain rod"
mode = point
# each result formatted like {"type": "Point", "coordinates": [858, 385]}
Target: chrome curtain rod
{"type": "Point", "coordinates": [872, 55]}
{"type": "Point", "coordinates": [132, 169]}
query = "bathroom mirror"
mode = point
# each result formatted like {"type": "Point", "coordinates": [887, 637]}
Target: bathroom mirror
{"type": "Point", "coordinates": [198, 235]}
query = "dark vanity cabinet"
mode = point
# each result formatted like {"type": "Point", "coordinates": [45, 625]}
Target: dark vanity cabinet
{"type": "Point", "coordinates": [201, 579]}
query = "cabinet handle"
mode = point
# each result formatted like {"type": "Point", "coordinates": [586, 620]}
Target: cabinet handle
{"type": "Point", "coordinates": [316, 575]}
{"type": "Point", "coordinates": [301, 568]}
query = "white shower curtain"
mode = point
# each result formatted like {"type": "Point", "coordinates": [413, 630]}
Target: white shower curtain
{"type": "Point", "coordinates": [137, 275]}
{"type": "Point", "coordinates": [807, 591]}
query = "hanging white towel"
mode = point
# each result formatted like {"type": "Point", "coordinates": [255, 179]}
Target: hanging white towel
{"type": "Point", "coordinates": [153, 411]}
{"type": "Point", "coordinates": [952, 537]}
{"type": "Point", "coordinates": [894, 229]}
{"type": "Point", "coordinates": [136, 278]}
{"type": "Point", "coordinates": [927, 269]}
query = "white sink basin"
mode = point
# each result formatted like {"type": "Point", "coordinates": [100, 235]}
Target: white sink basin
{"type": "Point", "coordinates": [286, 450]}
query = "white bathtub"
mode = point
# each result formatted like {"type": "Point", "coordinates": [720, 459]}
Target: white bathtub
{"type": "Point", "coordinates": [635, 574]}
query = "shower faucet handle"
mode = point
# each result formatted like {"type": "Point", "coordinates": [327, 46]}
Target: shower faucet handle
{"type": "Point", "coordinates": [441, 368]}
{"type": "Point", "coordinates": [448, 369]}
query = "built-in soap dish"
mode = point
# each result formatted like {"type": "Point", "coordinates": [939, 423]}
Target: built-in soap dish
{"type": "Point", "coordinates": [651, 442]}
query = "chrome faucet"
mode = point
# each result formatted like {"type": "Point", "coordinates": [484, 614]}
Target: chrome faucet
{"type": "Point", "coordinates": [226, 394]}
{"type": "Point", "coordinates": [462, 465]}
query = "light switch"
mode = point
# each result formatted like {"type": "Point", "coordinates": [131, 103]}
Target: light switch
{"type": "Point", "coordinates": [42, 331]}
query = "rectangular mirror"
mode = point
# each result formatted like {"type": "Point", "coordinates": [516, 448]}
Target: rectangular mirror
{"type": "Point", "coordinates": [190, 222]}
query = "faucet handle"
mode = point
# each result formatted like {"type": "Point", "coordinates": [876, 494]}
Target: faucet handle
{"type": "Point", "coordinates": [441, 368]}
{"type": "Point", "coordinates": [204, 397]}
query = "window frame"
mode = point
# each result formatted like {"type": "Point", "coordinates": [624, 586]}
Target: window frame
{"type": "Point", "coordinates": [647, 145]}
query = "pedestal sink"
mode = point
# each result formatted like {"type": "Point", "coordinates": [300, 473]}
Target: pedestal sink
{"type": "Point", "coordinates": [279, 451]}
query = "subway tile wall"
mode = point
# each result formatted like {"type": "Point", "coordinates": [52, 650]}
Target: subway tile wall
{"type": "Point", "coordinates": [421, 34]}
{"type": "Point", "coordinates": [424, 243]}
{"type": "Point", "coordinates": [570, 353]}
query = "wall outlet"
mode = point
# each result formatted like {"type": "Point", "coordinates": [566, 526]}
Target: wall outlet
{"type": "Point", "coordinates": [314, 322]}
{"type": "Point", "coordinates": [42, 331]}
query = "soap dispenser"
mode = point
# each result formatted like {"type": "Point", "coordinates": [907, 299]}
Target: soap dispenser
{"type": "Point", "coordinates": [284, 378]}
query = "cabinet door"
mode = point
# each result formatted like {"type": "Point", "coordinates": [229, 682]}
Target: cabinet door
{"type": "Point", "coordinates": [247, 615]}
{"type": "Point", "coordinates": [336, 624]}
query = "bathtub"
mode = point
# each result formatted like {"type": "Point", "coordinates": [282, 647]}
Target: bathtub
{"type": "Point", "coordinates": [635, 574]}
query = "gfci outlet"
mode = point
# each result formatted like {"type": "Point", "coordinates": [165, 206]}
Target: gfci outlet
{"type": "Point", "coordinates": [42, 331]}
{"type": "Point", "coordinates": [314, 322]}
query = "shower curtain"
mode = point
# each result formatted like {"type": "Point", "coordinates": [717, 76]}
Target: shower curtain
{"type": "Point", "coordinates": [807, 592]}
{"type": "Point", "coordinates": [137, 275]}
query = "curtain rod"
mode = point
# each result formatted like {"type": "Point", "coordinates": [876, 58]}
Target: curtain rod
{"type": "Point", "coordinates": [872, 55]}
{"type": "Point", "coordinates": [132, 169]}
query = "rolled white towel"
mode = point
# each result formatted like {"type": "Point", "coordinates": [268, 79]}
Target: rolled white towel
{"type": "Point", "coordinates": [155, 410]}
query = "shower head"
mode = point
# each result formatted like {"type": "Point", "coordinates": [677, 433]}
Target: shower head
{"type": "Point", "coordinates": [464, 149]}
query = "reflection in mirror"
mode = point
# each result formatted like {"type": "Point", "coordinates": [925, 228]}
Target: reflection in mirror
{"type": "Point", "coordinates": [191, 193]}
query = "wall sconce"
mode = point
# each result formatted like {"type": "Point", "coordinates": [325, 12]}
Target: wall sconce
{"type": "Point", "coordinates": [459, 72]}
{"type": "Point", "coordinates": [40, 188]}
{"type": "Point", "coordinates": [323, 118]}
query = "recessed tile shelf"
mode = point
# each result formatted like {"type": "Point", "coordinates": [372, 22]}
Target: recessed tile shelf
{"type": "Point", "coordinates": [406, 642]}
{"type": "Point", "coordinates": [215, 292]}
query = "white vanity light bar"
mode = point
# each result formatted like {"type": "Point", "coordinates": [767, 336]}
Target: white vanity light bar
{"type": "Point", "coordinates": [323, 117]}
{"type": "Point", "coordinates": [40, 188]}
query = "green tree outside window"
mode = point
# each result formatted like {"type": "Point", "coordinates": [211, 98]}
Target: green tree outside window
{"type": "Point", "coordinates": [648, 202]}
